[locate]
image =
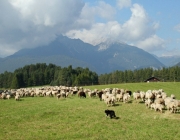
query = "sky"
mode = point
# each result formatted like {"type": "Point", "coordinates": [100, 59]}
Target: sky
{"type": "Point", "coordinates": [152, 25]}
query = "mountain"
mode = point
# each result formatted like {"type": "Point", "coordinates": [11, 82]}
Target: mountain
{"type": "Point", "coordinates": [178, 64]}
{"type": "Point", "coordinates": [63, 51]}
{"type": "Point", "coordinates": [169, 60]}
{"type": "Point", "coordinates": [122, 56]}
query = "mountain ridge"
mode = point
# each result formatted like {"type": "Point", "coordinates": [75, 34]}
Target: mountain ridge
{"type": "Point", "coordinates": [64, 51]}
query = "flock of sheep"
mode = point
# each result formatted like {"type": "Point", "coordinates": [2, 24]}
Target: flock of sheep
{"type": "Point", "coordinates": [153, 99]}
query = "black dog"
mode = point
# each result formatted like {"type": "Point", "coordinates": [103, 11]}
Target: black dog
{"type": "Point", "coordinates": [110, 113]}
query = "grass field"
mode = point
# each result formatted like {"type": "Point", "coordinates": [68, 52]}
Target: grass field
{"type": "Point", "coordinates": [46, 118]}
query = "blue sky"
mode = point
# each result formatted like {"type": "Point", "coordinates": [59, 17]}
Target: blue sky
{"type": "Point", "coordinates": [152, 25]}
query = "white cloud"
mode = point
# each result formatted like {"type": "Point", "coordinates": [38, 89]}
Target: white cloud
{"type": "Point", "coordinates": [137, 26]}
{"type": "Point", "coordinates": [123, 3]}
{"type": "Point", "coordinates": [49, 13]}
{"type": "Point", "coordinates": [151, 44]}
{"type": "Point", "coordinates": [89, 15]}
{"type": "Point", "coordinates": [100, 32]}
{"type": "Point", "coordinates": [139, 30]}
{"type": "Point", "coordinates": [105, 10]}
{"type": "Point", "coordinates": [30, 23]}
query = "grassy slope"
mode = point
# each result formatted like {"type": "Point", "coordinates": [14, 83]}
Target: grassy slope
{"type": "Point", "coordinates": [74, 118]}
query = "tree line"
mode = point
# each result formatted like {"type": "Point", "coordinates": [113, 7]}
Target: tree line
{"type": "Point", "coordinates": [128, 76]}
{"type": "Point", "coordinates": [42, 74]}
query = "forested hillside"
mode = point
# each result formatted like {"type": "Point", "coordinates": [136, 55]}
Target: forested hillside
{"type": "Point", "coordinates": [164, 75]}
{"type": "Point", "coordinates": [42, 74]}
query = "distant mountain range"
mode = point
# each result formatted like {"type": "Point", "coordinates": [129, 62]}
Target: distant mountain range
{"type": "Point", "coordinates": [169, 61]}
{"type": "Point", "coordinates": [103, 58]}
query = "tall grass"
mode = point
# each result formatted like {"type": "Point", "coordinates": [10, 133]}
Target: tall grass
{"type": "Point", "coordinates": [84, 119]}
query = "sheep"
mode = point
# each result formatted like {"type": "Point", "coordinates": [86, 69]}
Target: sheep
{"type": "Point", "coordinates": [63, 93]}
{"type": "Point", "coordinates": [74, 92]}
{"type": "Point", "coordinates": [142, 95]}
{"type": "Point", "coordinates": [126, 97]}
{"type": "Point", "coordinates": [159, 101]}
{"type": "Point", "coordinates": [54, 92]}
{"type": "Point", "coordinates": [49, 93]}
{"type": "Point", "coordinates": [104, 96]}
{"type": "Point", "coordinates": [122, 91]}
{"type": "Point", "coordinates": [8, 96]}
{"type": "Point", "coordinates": [148, 103]}
{"type": "Point", "coordinates": [153, 106]}
{"type": "Point", "coordinates": [167, 100]}
{"type": "Point", "coordinates": [159, 107]}
{"type": "Point", "coordinates": [114, 91]}
{"type": "Point", "coordinates": [113, 100]}
{"type": "Point", "coordinates": [81, 94]}
{"type": "Point", "coordinates": [92, 94]}
{"type": "Point", "coordinates": [17, 97]}
{"type": "Point", "coordinates": [136, 95]}
{"type": "Point", "coordinates": [32, 94]}
{"type": "Point", "coordinates": [67, 94]}
{"type": "Point", "coordinates": [150, 95]}
{"type": "Point", "coordinates": [173, 96]}
{"type": "Point", "coordinates": [119, 97]}
{"type": "Point", "coordinates": [129, 92]}
{"type": "Point", "coordinates": [3, 95]}
{"type": "Point", "coordinates": [158, 96]}
{"type": "Point", "coordinates": [171, 106]}
{"type": "Point", "coordinates": [164, 95]}
{"type": "Point", "coordinates": [100, 93]}
{"type": "Point", "coordinates": [38, 92]}
{"type": "Point", "coordinates": [177, 104]}
{"type": "Point", "coordinates": [27, 93]}
{"type": "Point", "coordinates": [58, 96]}
{"type": "Point", "coordinates": [110, 100]}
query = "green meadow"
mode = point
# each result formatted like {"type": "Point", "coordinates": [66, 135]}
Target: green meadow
{"type": "Point", "coordinates": [46, 118]}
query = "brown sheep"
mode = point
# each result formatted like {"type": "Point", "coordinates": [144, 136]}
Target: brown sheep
{"type": "Point", "coordinates": [81, 94]}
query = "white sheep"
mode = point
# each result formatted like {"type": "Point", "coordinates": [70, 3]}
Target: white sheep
{"type": "Point", "coordinates": [150, 95]}
{"type": "Point", "coordinates": [167, 100]}
{"type": "Point", "coordinates": [148, 103]}
{"type": "Point", "coordinates": [153, 106]}
{"type": "Point", "coordinates": [3, 95]}
{"type": "Point", "coordinates": [142, 95]}
{"type": "Point", "coordinates": [126, 97]}
{"type": "Point", "coordinates": [63, 93]}
{"type": "Point", "coordinates": [17, 97]}
{"type": "Point", "coordinates": [173, 96]}
{"type": "Point", "coordinates": [119, 97]}
{"type": "Point", "coordinates": [171, 106]}
{"type": "Point", "coordinates": [110, 100]}
{"type": "Point", "coordinates": [159, 101]}
{"type": "Point", "coordinates": [159, 107]}
{"type": "Point", "coordinates": [136, 95]}
{"type": "Point", "coordinates": [177, 104]}
{"type": "Point", "coordinates": [8, 96]}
